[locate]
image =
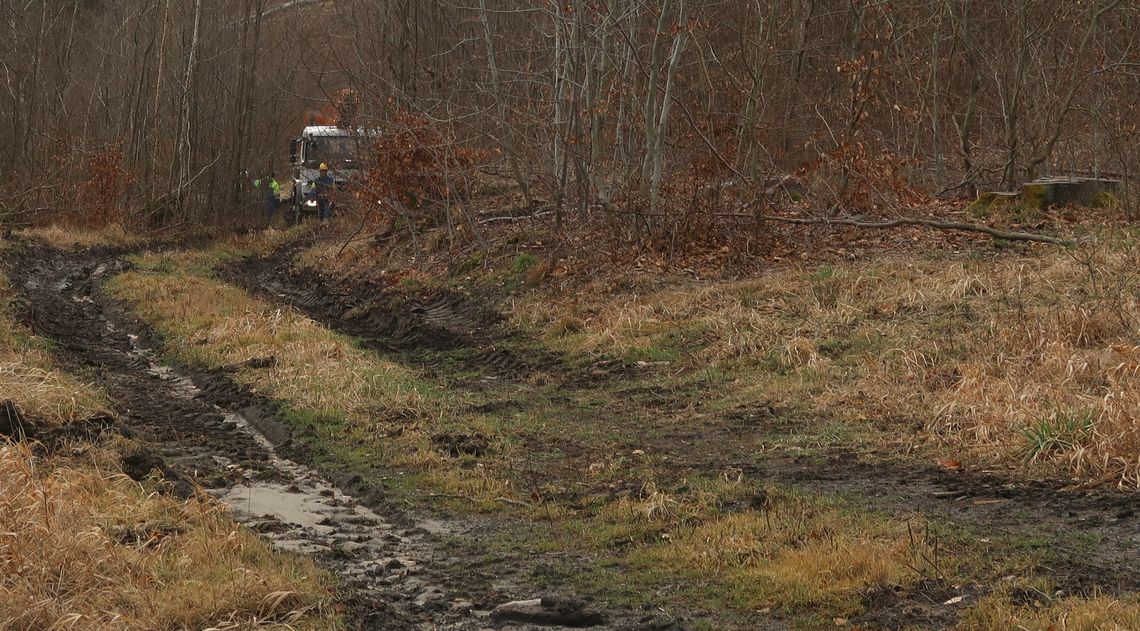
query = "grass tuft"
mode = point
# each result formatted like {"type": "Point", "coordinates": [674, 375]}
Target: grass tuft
{"type": "Point", "coordinates": [89, 549]}
{"type": "Point", "coordinates": [1034, 609]}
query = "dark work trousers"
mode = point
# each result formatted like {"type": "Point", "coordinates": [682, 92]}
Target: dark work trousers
{"type": "Point", "coordinates": [270, 207]}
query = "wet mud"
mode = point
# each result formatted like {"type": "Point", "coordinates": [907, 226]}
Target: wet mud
{"type": "Point", "coordinates": [444, 330]}
{"type": "Point", "coordinates": [203, 433]}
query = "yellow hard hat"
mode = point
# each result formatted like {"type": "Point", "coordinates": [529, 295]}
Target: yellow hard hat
{"type": "Point", "coordinates": [324, 167]}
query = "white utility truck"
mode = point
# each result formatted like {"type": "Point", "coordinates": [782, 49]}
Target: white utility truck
{"type": "Point", "coordinates": [341, 148]}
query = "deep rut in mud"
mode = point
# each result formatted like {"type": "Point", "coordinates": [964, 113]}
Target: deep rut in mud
{"type": "Point", "coordinates": [210, 433]}
{"type": "Point", "coordinates": [435, 321]}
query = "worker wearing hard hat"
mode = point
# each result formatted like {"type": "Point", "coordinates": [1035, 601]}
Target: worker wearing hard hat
{"type": "Point", "coordinates": [323, 185]}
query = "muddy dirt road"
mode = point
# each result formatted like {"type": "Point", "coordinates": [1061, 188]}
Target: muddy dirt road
{"type": "Point", "coordinates": [404, 570]}
{"type": "Point", "coordinates": [204, 432]}
{"type": "Point", "coordinates": [1085, 538]}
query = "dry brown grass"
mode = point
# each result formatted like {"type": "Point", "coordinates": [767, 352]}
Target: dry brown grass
{"type": "Point", "coordinates": [85, 548]}
{"type": "Point", "coordinates": [28, 377]}
{"type": "Point", "coordinates": [75, 238]}
{"type": "Point", "coordinates": [213, 325]}
{"type": "Point", "coordinates": [1014, 359]}
{"type": "Point", "coordinates": [1103, 613]}
{"type": "Point", "coordinates": [116, 235]}
{"type": "Point", "coordinates": [255, 242]}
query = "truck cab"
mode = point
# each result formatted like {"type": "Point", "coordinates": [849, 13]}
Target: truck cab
{"type": "Point", "coordinates": [339, 147]}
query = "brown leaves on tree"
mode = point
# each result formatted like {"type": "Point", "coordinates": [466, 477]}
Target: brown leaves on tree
{"type": "Point", "coordinates": [103, 189]}
{"type": "Point", "coordinates": [343, 110]}
{"type": "Point", "coordinates": [417, 161]}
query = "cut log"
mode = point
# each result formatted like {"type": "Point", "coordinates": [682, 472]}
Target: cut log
{"type": "Point", "coordinates": [1077, 191]}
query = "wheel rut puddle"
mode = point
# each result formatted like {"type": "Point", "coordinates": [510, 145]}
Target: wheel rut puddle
{"type": "Point", "coordinates": [293, 505]}
{"type": "Point", "coordinates": [212, 434]}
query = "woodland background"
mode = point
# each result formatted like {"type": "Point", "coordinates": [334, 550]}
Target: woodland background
{"type": "Point", "coordinates": [662, 116]}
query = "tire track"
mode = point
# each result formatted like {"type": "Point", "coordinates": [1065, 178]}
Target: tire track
{"type": "Point", "coordinates": [397, 573]}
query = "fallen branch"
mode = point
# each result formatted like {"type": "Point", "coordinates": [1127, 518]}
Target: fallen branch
{"type": "Point", "coordinates": [507, 500]}
{"type": "Point", "coordinates": [929, 223]}
{"type": "Point", "coordinates": [166, 228]}
{"type": "Point", "coordinates": [892, 223]}
{"type": "Point", "coordinates": [352, 237]}
{"type": "Point", "coordinates": [1095, 482]}
{"type": "Point", "coordinates": [514, 217]}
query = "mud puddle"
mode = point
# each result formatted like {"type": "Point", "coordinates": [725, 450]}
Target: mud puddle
{"type": "Point", "coordinates": [291, 504]}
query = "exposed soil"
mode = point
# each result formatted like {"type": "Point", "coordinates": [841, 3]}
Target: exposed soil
{"type": "Point", "coordinates": [203, 432]}
{"type": "Point", "coordinates": [1085, 539]}
{"type": "Point", "coordinates": [17, 426]}
{"type": "Point", "coordinates": [431, 320]}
